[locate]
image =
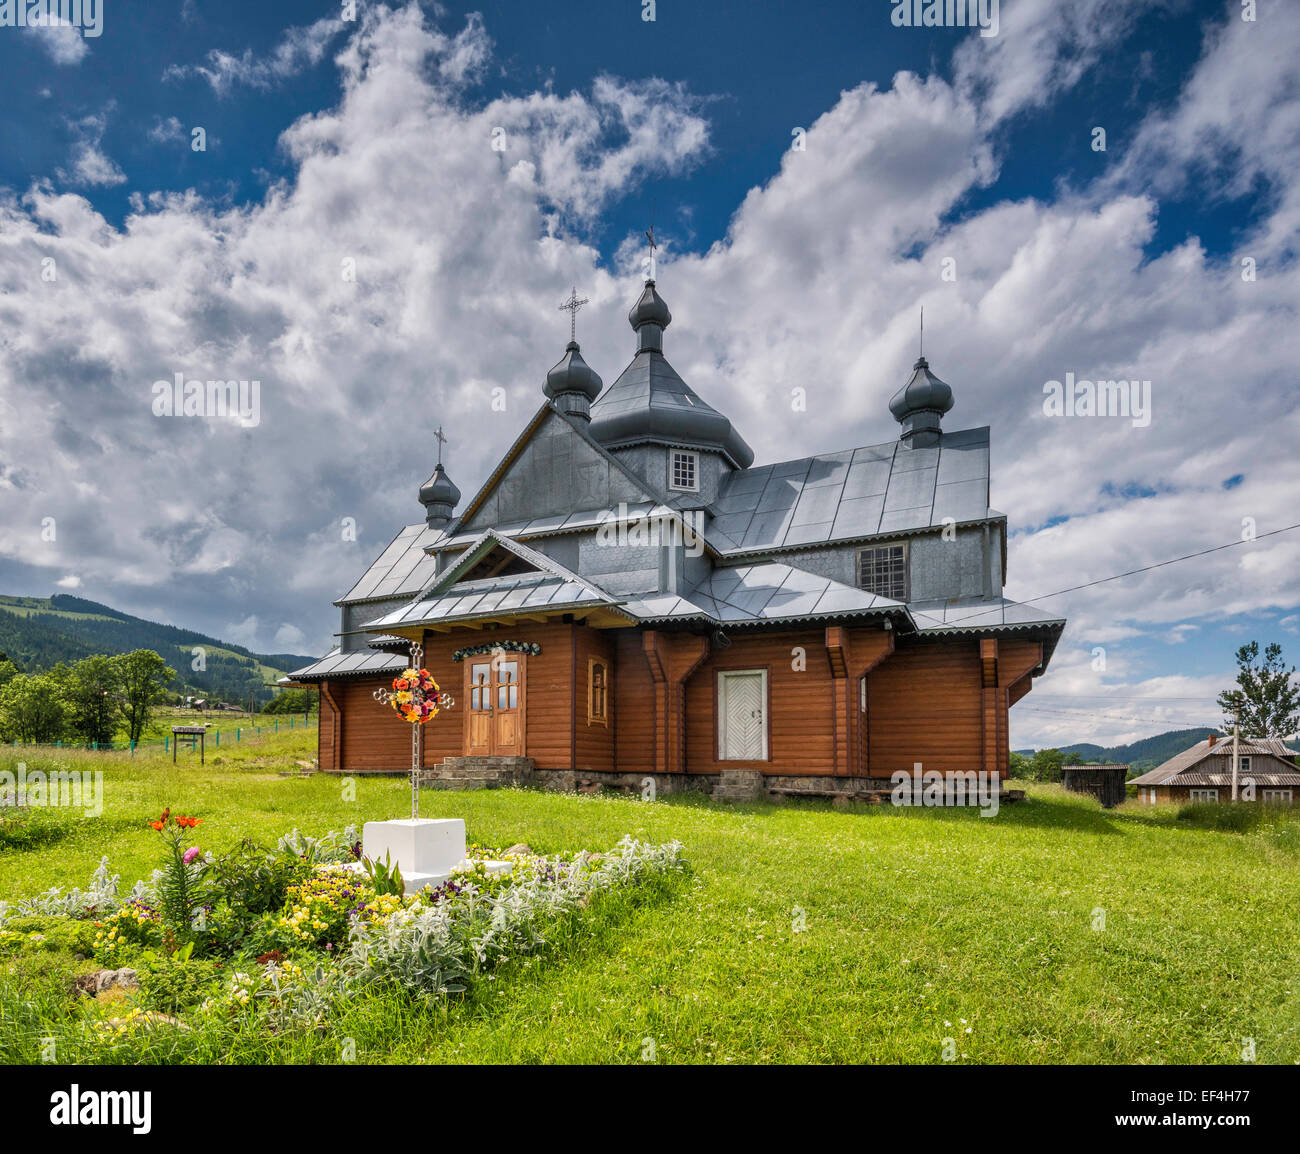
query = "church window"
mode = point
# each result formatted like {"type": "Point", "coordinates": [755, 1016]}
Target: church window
{"type": "Point", "coordinates": [597, 693]}
{"type": "Point", "coordinates": [883, 571]}
{"type": "Point", "coordinates": [685, 471]}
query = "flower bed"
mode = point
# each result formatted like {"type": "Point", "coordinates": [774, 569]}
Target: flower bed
{"type": "Point", "coordinates": [276, 939]}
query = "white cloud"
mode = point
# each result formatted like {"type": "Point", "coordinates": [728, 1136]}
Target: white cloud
{"type": "Point", "coordinates": [166, 131]}
{"type": "Point", "coordinates": [60, 40]}
{"type": "Point", "coordinates": [90, 164]}
{"type": "Point", "coordinates": [462, 261]}
{"type": "Point", "coordinates": [69, 582]}
{"type": "Point", "coordinates": [300, 48]}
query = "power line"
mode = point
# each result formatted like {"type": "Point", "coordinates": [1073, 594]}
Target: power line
{"type": "Point", "coordinates": [1132, 572]}
{"type": "Point", "coordinates": [1120, 697]}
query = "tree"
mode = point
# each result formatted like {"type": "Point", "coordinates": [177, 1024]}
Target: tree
{"type": "Point", "coordinates": [1268, 700]}
{"type": "Point", "coordinates": [1046, 764]}
{"type": "Point", "coordinates": [1018, 766]}
{"type": "Point", "coordinates": [291, 701]}
{"type": "Point", "coordinates": [142, 676]}
{"type": "Point", "coordinates": [32, 709]}
{"type": "Point", "coordinates": [91, 689]}
{"type": "Point", "coordinates": [8, 670]}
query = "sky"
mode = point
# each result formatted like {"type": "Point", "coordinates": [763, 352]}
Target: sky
{"type": "Point", "coordinates": [376, 218]}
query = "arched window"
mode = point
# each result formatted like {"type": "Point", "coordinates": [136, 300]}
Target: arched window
{"type": "Point", "coordinates": [597, 692]}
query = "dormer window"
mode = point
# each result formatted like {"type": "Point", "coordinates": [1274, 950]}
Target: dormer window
{"type": "Point", "coordinates": [883, 571]}
{"type": "Point", "coordinates": [684, 471]}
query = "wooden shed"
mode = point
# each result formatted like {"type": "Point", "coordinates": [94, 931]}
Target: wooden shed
{"type": "Point", "coordinates": [1104, 782]}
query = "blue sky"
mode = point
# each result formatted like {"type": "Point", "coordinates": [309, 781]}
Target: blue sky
{"type": "Point", "coordinates": [368, 139]}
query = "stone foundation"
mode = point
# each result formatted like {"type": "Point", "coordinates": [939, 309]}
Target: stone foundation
{"type": "Point", "coordinates": [734, 785]}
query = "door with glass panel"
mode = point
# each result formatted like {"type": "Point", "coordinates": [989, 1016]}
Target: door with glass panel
{"type": "Point", "coordinates": [494, 719]}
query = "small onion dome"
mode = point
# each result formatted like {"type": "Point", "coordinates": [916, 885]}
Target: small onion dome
{"type": "Point", "coordinates": [439, 497]}
{"type": "Point", "coordinates": [649, 309]}
{"type": "Point", "coordinates": [920, 403]}
{"type": "Point", "coordinates": [573, 375]}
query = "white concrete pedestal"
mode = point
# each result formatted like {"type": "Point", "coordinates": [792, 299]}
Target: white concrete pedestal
{"type": "Point", "coordinates": [426, 850]}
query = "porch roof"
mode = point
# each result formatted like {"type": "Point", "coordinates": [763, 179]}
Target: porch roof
{"type": "Point", "coordinates": [358, 663]}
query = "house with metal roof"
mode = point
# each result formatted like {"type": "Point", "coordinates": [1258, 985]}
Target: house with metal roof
{"type": "Point", "coordinates": [628, 595]}
{"type": "Point", "coordinates": [1266, 772]}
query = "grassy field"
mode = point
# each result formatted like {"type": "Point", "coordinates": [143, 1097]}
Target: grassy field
{"type": "Point", "coordinates": [918, 925]}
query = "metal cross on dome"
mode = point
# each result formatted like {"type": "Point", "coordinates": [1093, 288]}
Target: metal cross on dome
{"type": "Point", "coordinates": [571, 306]}
{"type": "Point", "coordinates": [444, 701]}
{"type": "Point", "coordinates": [441, 441]}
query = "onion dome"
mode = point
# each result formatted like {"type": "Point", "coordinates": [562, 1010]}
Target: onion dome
{"type": "Point", "coordinates": [439, 497]}
{"type": "Point", "coordinates": [573, 384]}
{"type": "Point", "coordinates": [650, 403]}
{"type": "Point", "coordinates": [651, 310]}
{"type": "Point", "coordinates": [920, 404]}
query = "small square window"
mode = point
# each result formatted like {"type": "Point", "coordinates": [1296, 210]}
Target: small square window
{"type": "Point", "coordinates": [685, 472]}
{"type": "Point", "coordinates": [883, 571]}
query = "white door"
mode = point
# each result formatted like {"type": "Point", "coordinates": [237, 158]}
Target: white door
{"type": "Point", "coordinates": [742, 715]}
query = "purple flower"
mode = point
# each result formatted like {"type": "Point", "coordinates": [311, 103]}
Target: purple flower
{"type": "Point", "coordinates": [191, 854]}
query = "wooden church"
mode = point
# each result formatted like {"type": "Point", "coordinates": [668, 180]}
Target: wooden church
{"type": "Point", "coordinates": [629, 595]}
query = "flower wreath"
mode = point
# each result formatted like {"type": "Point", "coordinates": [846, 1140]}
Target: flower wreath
{"type": "Point", "coordinates": [403, 699]}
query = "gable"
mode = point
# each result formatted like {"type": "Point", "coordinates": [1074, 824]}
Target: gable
{"type": "Point", "coordinates": [555, 470]}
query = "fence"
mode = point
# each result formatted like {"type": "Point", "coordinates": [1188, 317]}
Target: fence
{"type": "Point", "coordinates": [164, 743]}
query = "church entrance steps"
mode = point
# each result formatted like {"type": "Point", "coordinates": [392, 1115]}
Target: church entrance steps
{"type": "Point", "coordinates": [479, 773]}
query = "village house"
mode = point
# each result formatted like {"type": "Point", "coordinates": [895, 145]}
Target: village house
{"type": "Point", "coordinates": [1266, 772]}
{"type": "Point", "coordinates": [629, 595]}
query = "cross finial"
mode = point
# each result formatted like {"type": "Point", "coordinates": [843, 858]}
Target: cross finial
{"type": "Point", "coordinates": [650, 236]}
{"type": "Point", "coordinates": [571, 306]}
{"type": "Point", "coordinates": [441, 441]}
{"type": "Point", "coordinates": [921, 352]}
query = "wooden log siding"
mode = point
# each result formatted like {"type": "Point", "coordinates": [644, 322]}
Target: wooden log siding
{"type": "Point", "coordinates": [593, 743]}
{"type": "Point", "coordinates": [942, 702]}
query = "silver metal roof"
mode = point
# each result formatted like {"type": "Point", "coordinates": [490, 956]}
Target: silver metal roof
{"type": "Point", "coordinates": [862, 492]}
{"type": "Point", "coordinates": [951, 617]}
{"type": "Point", "coordinates": [753, 594]}
{"type": "Point", "coordinates": [403, 568]}
{"type": "Point", "coordinates": [359, 663]}
{"type": "Point", "coordinates": [1206, 759]}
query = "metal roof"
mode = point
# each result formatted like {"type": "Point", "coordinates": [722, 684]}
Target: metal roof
{"type": "Point", "coordinates": [359, 663]}
{"type": "Point", "coordinates": [753, 594]}
{"type": "Point", "coordinates": [1202, 752]}
{"type": "Point", "coordinates": [861, 492]}
{"type": "Point", "coordinates": [955, 617]}
{"type": "Point", "coordinates": [450, 598]}
{"type": "Point", "coordinates": [401, 569]}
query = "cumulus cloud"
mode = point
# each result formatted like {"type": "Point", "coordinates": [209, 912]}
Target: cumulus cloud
{"type": "Point", "coordinates": [59, 39]}
{"type": "Point", "coordinates": [90, 164]}
{"type": "Point", "coordinates": [299, 49]}
{"type": "Point", "coordinates": [372, 309]}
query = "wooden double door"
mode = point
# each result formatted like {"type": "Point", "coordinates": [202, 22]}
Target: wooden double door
{"type": "Point", "coordinates": [494, 719]}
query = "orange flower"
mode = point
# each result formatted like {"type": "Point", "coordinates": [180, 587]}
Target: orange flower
{"type": "Point", "coordinates": [156, 825]}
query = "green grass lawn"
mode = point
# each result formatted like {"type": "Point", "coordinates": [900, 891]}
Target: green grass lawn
{"type": "Point", "coordinates": [919, 925]}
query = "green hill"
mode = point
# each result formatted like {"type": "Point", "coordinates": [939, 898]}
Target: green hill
{"type": "Point", "coordinates": [39, 632]}
{"type": "Point", "coordinates": [1144, 754]}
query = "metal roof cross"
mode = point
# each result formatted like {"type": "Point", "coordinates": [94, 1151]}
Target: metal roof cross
{"type": "Point", "coordinates": [650, 236]}
{"type": "Point", "coordinates": [441, 441]}
{"type": "Point", "coordinates": [571, 306]}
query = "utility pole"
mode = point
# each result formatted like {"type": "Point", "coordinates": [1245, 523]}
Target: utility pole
{"type": "Point", "coordinates": [1235, 711]}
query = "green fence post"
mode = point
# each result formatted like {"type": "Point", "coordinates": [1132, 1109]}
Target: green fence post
{"type": "Point", "coordinates": [167, 745]}
{"type": "Point", "coordinates": [133, 747]}
{"type": "Point", "coordinates": [277, 726]}
{"type": "Point", "coordinates": [236, 733]}
{"type": "Point", "coordinates": [217, 735]}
